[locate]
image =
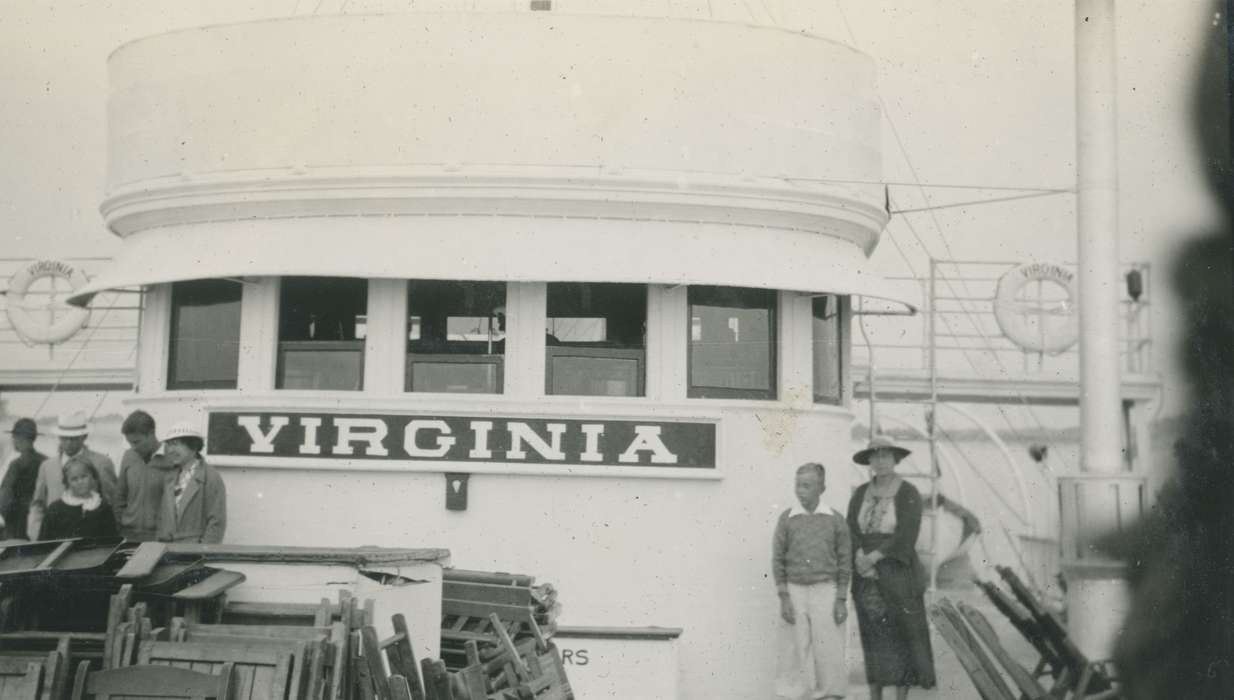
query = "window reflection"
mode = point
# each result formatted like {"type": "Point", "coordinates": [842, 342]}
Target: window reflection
{"type": "Point", "coordinates": [204, 346]}
{"type": "Point", "coordinates": [456, 336]}
{"type": "Point", "coordinates": [595, 339]}
{"type": "Point", "coordinates": [322, 326]}
{"type": "Point", "coordinates": [732, 343]}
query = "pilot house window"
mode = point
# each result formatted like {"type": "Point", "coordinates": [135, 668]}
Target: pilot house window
{"type": "Point", "coordinates": [204, 348]}
{"type": "Point", "coordinates": [595, 340]}
{"type": "Point", "coordinates": [456, 336]}
{"type": "Point", "coordinates": [322, 326]}
{"type": "Point", "coordinates": [732, 343]}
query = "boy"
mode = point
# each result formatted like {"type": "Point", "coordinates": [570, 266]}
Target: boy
{"type": "Point", "coordinates": [139, 492]}
{"type": "Point", "coordinates": [811, 563]}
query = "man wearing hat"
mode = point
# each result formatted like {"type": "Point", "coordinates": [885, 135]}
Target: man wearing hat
{"type": "Point", "coordinates": [72, 429]}
{"type": "Point", "coordinates": [18, 486]}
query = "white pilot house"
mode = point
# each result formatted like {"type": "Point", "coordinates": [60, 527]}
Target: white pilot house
{"type": "Point", "coordinates": [597, 270]}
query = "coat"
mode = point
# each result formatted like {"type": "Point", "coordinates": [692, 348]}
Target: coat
{"type": "Point", "coordinates": [202, 513]}
{"type": "Point", "coordinates": [16, 491]}
{"type": "Point", "coordinates": [64, 521]}
{"type": "Point", "coordinates": [139, 495]}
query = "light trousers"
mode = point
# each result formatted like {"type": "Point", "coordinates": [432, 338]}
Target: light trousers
{"type": "Point", "coordinates": [818, 665]}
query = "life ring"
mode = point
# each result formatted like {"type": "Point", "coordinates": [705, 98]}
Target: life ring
{"type": "Point", "coordinates": [29, 326]}
{"type": "Point", "coordinates": [1012, 313]}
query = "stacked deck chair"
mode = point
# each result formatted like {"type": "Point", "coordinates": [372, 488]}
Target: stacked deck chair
{"type": "Point", "coordinates": [1062, 672]}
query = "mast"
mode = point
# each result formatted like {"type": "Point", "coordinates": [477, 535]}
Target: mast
{"type": "Point", "coordinates": [1103, 496]}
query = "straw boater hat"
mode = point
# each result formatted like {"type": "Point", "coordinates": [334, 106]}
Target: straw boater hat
{"type": "Point", "coordinates": [25, 427]}
{"type": "Point", "coordinates": [881, 442]}
{"type": "Point", "coordinates": [73, 424]}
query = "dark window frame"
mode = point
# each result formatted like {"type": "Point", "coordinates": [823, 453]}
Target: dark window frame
{"type": "Point", "coordinates": [639, 355]}
{"type": "Point", "coordinates": [463, 351]}
{"type": "Point", "coordinates": [171, 382]}
{"type": "Point", "coordinates": [350, 346]}
{"type": "Point", "coordinates": [456, 358]}
{"type": "Point", "coordinates": [718, 294]}
{"type": "Point", "coordinates": [605, 349]}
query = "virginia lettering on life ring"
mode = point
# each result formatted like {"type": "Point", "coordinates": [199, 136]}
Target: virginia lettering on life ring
{"type": "Point", "coordinates": [41, 318]}
{"type": "Point", "coordinates": [1050, 325]}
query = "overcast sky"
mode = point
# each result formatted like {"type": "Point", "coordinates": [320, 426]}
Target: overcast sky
{"type": "Point", "coordinates": [977, 92]}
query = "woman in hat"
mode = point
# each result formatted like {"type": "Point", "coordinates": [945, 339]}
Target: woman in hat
{"type": "Point", "coordinates": [194, 507]}
{"type": "Point", "coordinates": [80, 511]}
{"type": "Point", "coordinates": [889, 580]}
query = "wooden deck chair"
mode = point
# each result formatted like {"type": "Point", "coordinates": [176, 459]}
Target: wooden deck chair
{"type": "Point", "coordinates": [261, 672]}
{"type": "Point", "coordinates": [436, 680]}
{"type": "Point", "coordinates": [1049, 662]}
{"type": "Point", "coordinates": [1030, 689]}
{"type": "Point", "coordinates": [395, 654]}
{"type": "Point", "coordinates": [152, 682]}
{"type": "Point", "coordinates": [960, 643]}
{"type": "Point", "coordinates": [360, 681]}
{"type": "Point", "coordinates": [320, 614]}
{"type": "Point", "coordinates": [117, 610]}
{"type": "Point", "coordinates": [992, 670]}
{"type": "Point", "coordinates": [1089, 676]}
{"type": "Point", "coordinates": [56, 663]}
{"type": "Point", "coordinates": [21, 678]}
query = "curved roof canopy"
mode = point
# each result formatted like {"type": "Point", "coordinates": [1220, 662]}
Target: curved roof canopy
{"type": "Point", "coordinates": [498, 249]}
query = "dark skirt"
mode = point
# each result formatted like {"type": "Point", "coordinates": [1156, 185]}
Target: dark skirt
{"type": "Point", "coordinates": [895, 636]}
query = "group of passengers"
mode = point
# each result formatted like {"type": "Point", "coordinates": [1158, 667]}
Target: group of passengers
{"type": "Point", "coordinates": [164, 492]}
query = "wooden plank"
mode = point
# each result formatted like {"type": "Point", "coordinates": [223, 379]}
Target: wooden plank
{"type": "Point", "coordinates": [212, 586]}
{"type": "Point", "coordinates": [143, 560]}
{"type": "Point", "coordinates": [451, 636]}
{"type": "Point", "coordinates": [493, 577]}
{"type": "Point", "coordinates": [277, 665]}
{"type": "Point", "coordinates": [56, 555]}
{"type": "Point", "coordinates": [959, 644]}
{"type": "Point", "coordinates": [520, 666]}
{"type": "Point", "coordinates": [471, 608]}
{"type": "Point", "coordinates": [28, 687]}
{"type": "Point", "coordinates": [436, 679]}
{"type": "Point", "coordinates": [487, 593]}
{"type": "Point", "coordinates": [372, 658]}
{"type": "Point", "coordinates": [1028, 685]}
{"type": "Point", "coordinates": [975, 647]}
{"type": "Point", "coordinates": [289, 632]}
{"type": "Point", "coordinates": [399, 689]}
{"type": "Point", "coordinates": [402, 653]}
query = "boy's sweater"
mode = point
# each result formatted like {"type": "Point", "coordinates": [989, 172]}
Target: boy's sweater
{"type": "Point", "coordinates": [812, 548]}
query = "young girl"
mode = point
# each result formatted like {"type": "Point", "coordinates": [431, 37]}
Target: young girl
{"type": "Point", "coordinates": [81, 511]}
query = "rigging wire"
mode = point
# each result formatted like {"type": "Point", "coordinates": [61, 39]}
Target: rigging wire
{"type": "Point", "coordinates": [947, 246]}
{"type": "Point", "coordinates": [972, 202]}
{"type": "Point", "coordinates": [60, 378]}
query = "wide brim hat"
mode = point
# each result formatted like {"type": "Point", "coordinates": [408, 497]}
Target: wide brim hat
{"type": "Point", "coordinates": [880, 442]}
{"type": "Point", "coordinates": [25, 427]}
{"type": "Point", "coordinates": [73, 424]}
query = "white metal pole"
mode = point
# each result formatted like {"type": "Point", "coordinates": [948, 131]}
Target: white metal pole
{"type": "Point", "coordinates": [1096, 588]}
{"type": "Point", "coordinates": [1097, 223]}
{"type": "Point", "coordinates": [935, 555]}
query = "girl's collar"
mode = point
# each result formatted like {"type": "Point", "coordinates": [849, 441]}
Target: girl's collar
{"type": "Point", "coordinates": [91, 502]}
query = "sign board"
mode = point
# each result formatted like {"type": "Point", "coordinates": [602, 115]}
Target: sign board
{"type": "Point", "coordinates": [540, 441]}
